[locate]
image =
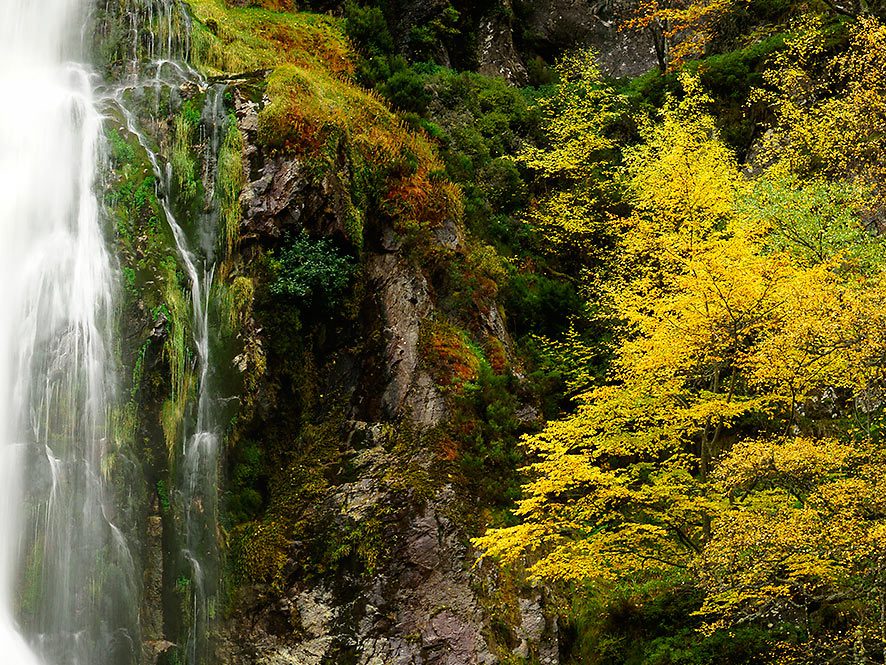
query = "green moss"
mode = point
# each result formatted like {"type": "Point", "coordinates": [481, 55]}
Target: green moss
{"type": "Point", "coordinates": [230, 179]}
{"type": "Point", "coordinates": [184, 166]}
{"type": "Point", "coordinates": [121, 150]}
{"type": "Point", "coordinates": [31, 591]}
{"type": "Point", "coordinates": [367, 540]}
{"type": "Point", "coordinates": [152, 281]}
{"type": "Point", "coordinates": [124, 424]}
{"type": "Point", "coordinates": [449, 354]}
{"type": "Point", "coordinates": [307, 106]}
{"type": "Point", "coordinates": [245, 39]}
{"type": "Point", "coordinates": [240, 298]}
{"type": "Point", "coordinates": [176, 351]}
{"type": "Point", "coordinates": [177, 329]}
{"type": "Point", "coordinates": [163, 496]}
{"type": "Point", "coordinates": [260, 553]}
{"type": "Point", "coordinates": [354, 223]}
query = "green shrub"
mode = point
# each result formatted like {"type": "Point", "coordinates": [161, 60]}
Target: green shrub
{"type": "Point", "coordinates": [541, 305]}
{"type": "Point", "coordinates": [315, 273]}
{"type": "Point", "coordinates": [406, 90]}
{"type": "Point", "coordinates": [367, 28]}
{"type": "Point", "coordinates": [503, 185]}
{"type": "Point", "coordinates": [654, 624]}
{"type": "Point", "coordinates": [244, 498]}
{"type": "Point", "coordinates": [489, 432]}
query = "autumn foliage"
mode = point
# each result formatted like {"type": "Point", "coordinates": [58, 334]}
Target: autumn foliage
{"type": "Point", "coordinates": [680, 29]}
{"type": "Point", "coordinates": [738, 439]}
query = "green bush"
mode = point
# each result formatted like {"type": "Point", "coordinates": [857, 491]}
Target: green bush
{"type": "Point", "coordinates": [654, 624]}
{"type": "Point", "coordinates": [315, 273]}
{"type": "Point", "coordinates": [491, 457]}
{"type": "Point", "coordinates": [405, 88]}
{"type": "Point", "coordinates": [503, 185]}
{"type": "Point", "coordinates": [367, 28]}
{"type": "Point", "coordinates": [541, 305]}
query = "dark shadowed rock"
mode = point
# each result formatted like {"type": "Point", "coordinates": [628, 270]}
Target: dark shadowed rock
{"type": "Point", "coordinates": [496, 54]}
{"type": "Point", "coordinates": [555, 25]}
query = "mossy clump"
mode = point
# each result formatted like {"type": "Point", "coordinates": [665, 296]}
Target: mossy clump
{"type": "Point", "coordinates": [422, 200]}
{"type": "Point", "coordinates": [260, 551]}
{"type": "Point", "coordinates": [184, 165]}
{"type": "Point", "coordinates": [177, 353]}
{"type": "Point", "coordinates": [497, 355]}
{"type": "Point", "coordinates": [449, 354]}
{"type": "Point", "coordinates": [314, 108]}
{"type": "Point", "coordinates": [232, 40]}
{"type": "Point", "coordinates": [239, 300]}
{"type": "Point", "coordinates": [307, 105]}
{"type": "Point", "coordinates": [230, 179]}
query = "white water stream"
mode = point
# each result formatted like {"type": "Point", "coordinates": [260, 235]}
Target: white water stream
{"type": "Point", "coordinates": [69, 587]}
{"type": "Point", "coordinates": [65, 569]}
{"type": "Point", "coordinates": [196, 489]}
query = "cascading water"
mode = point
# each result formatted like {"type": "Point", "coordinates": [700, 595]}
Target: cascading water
{"type": "Point", "coordinates": [70, 588]}
{"type": "Point", "coordinates": [66, 574]}
{"type": "Point", "coordinates": [158, 69]}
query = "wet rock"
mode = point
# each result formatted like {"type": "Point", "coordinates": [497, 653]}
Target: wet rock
{"type": "Point", "coordinates": [555, 25]}
{"type": "Point", "coordinates": [537, 632]}
{"type": "Point", "coordinates": [152, 602]}
{"type": "Point", "coordinates": [418, 608]}
{"type": "Point", "coordinates": [154, 650]}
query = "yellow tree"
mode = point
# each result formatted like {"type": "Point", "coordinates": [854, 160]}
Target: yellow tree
{"type": "Point", "coordinates": [830, 121]}
{"type": "Point", "coordinates": [738, 439]}
{"type": "Point", "coordinates": [679, 29]}
{"type": "Point", "coordinates": [576, 162]}
{"type": "Point", "coordinates": [616, 486]}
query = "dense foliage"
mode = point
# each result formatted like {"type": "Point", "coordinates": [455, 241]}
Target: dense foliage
{"type": "Point", "coordinates": [734, 448]}
{"type": "Point", "coordinates": [681, 433]}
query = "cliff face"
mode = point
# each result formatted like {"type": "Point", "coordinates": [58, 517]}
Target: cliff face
{"type": "Point", "coordinates": [551, 26]}
{"type": "Point", "coordinates": [363, 379]}
{"type": "Point", "coordinates": [355, 328]}
{"type": "Point", "coordinates": [376, 567]}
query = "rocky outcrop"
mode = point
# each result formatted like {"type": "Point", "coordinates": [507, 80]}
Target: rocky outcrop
{"type": "Point", "coordinates": [278, 192]}
{"type": "Point", "coordinates": [550, 26]}
{"type": "Point", "coordinates": [397, 584]}
{"type": "Point", "coordinates": [504, 35]}
{"type": "Point", "coordinates": [405, 303]}
{"type": "Point", "coordinates": [497, 55]}
{"type": "Point", "coordinates": [419, 606]}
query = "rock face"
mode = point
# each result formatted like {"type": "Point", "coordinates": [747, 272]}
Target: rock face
{"type": "Point", "coordinates": [410, 16]}
{"type": "Point", "coordinates": [405, 303]}
{"type": "Point", "coordinates": [552, 25]}
{"type": "Point", "coordinates": [419, 607]}
{"type": "Point", "coordinates": [507, 33]}
{"type": "Point", "coordinates": [401, 587]}
{"type": "Point", "coordinates": [497, 55]}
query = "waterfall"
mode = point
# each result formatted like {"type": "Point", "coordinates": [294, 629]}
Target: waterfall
{"type": "Point", "coordinates": [157, 68]}
{"type": "Point", "coordinates": [70, 579]}
{"type": "Point", "coordinates": [66, 574]}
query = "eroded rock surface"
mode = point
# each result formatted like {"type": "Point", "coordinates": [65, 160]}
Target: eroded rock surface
{"type": "Point", "coordinates": [402, 588]}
